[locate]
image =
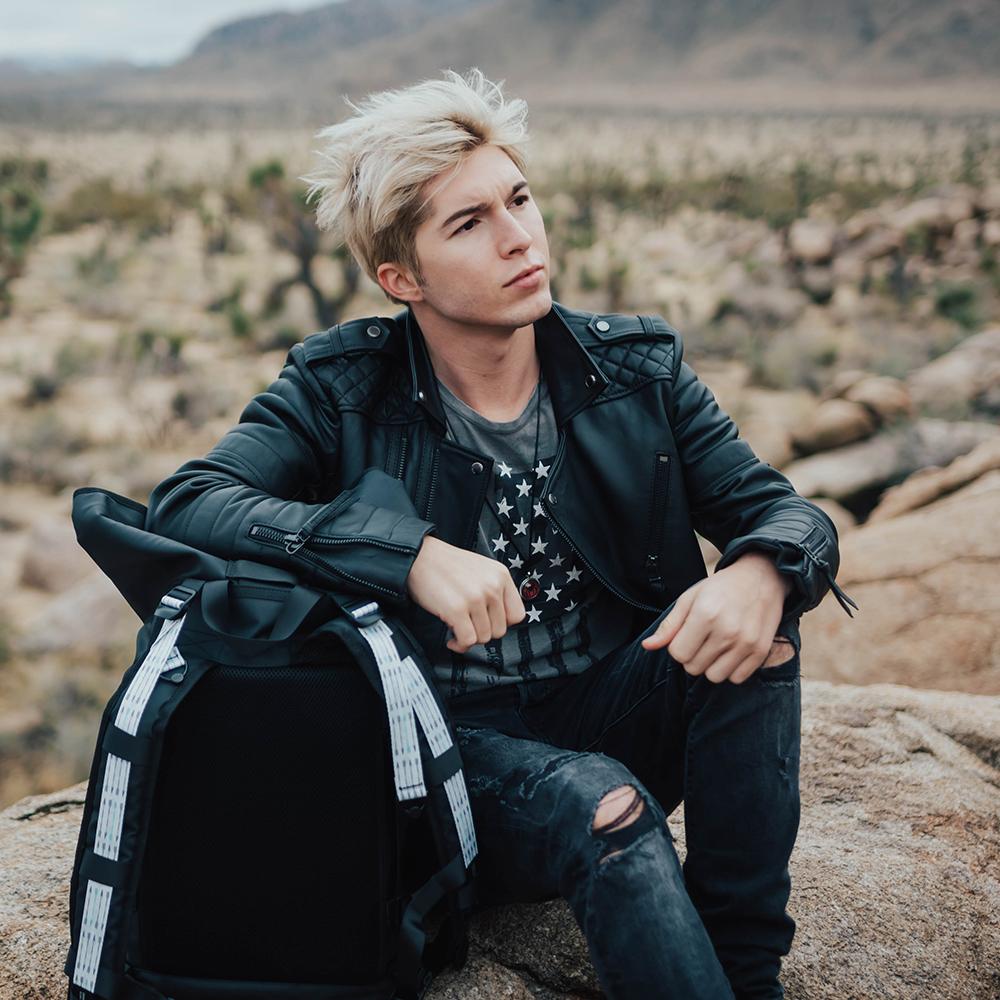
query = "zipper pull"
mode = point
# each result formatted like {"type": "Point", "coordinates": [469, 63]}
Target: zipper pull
{"type": "Point", "coordinates": [842, 597]}
{"type": "Point", "coordinates": [295, 542]}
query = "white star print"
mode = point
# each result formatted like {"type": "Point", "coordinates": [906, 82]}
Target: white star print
{"type": "Point", "coordinates": [553, 593]}
{"type": "Point", "coordinates": [516, 563]}
{"type": "Point", "coordinates": [556, 560]}
{"type": "Point", "coordinates": [573, 574]}
{"type": "Point", "coordinates": [534, 614]}
{"type": "Point", "coordinates": [538, 510]}
{"type": "Point", "coordinates": [521, 528]}
{"type": "Point", "coordinates": [571, 605]}
{"type": "Point", "coordinates": [538, 545]}
{"type": "Point", "coordinates": [503, 507]}
{"type": "Point", "coordinates": [523, 489]}
{"type": "Point", "coordinates": [504, 470]}
{"type": "Point", "coordinates": [542, 470]}
{"type": "Point", "coordinates": [499, 543]}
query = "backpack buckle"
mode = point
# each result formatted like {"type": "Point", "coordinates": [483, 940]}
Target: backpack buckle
{"type": "Point", "coordinates": [174, 603]}
{"type": "Point", "coordinates": [364, 612]}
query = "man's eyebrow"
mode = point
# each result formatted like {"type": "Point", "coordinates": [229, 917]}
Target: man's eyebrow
{"type": "Point", "coordinates": [481, 207]}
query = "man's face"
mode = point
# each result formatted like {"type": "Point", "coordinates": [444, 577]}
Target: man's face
{"type": "Point", "coordinates": [484, 230]}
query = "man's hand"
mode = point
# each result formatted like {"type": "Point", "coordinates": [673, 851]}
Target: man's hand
{"type": "Point", "coordinates": [724, 626]}
{"type": "Point", "coordinates": [473, 594]}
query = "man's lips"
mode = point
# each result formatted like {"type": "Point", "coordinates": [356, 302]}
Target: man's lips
{"type": "Point", "coordinates": [525, 273]}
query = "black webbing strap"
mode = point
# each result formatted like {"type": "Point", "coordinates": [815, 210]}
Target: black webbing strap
{"type": "Point", "coordinates": [437, 770]}
{"type": "Point", "coordinates": [410, 974]}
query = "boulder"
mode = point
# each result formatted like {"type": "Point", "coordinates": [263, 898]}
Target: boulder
{"type": "Point", "coordinates": [52, 559]}
{"type": "Point", "coordinates": [887, 458]}
{"type": "Point", "coordinates": [91, 615]}
{"type": "Point", "coordinates": [898, 839]}
{"type": "Point", "coordinates": [954, 383]}
{"type": "Point", "coordinates": [886, 397]}
{"type": "Point", "coordinates": [927, 583]}
{"type": "Point", "coordinates": [812, 240]}
{"type": "Point", "coordinates": [928, 484]}
{"type": "Point", "coordinates": [836, 422]}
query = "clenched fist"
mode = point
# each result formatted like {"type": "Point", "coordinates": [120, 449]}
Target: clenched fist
{"type": "Point", "coordinates": [473, 594]}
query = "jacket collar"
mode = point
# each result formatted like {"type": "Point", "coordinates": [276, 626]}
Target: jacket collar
{"type": "Point", "coordinates": [572, 375]}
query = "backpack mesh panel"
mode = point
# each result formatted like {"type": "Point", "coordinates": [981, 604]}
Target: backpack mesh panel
{"type": "Point", "coordinates": [272, 835]}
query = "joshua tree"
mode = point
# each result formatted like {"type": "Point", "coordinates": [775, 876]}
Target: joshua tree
{"type": "Point", "coordinates": [21, 185]}
{"type": "Point", "coordinates": [293, 228]}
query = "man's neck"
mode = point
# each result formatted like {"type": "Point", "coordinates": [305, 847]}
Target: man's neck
{"type": "Point", "coordinates": [494, 371]}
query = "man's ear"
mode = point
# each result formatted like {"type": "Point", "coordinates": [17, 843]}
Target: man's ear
{"type": "Point", "coordinates": [399, 282]}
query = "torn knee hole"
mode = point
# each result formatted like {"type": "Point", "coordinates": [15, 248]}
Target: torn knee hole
{"type": "Point", "coordinates": [781, 651]}
{"type": "Point", "coordinates": [617, 809]}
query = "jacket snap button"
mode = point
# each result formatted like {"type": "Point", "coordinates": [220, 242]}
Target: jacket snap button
{"type": "Point", "coordinates": [552, 498]}
{"type": "Point", "coordinates": [476, 467]}
{"type": "Point", "coordinates": [374, 331]}
{"type": "Point", "coordinates": [603, 325]}
{"type": "Point", "coordinates": [590, 381]}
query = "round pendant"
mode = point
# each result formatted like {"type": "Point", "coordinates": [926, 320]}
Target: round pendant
{"type": "Point", "coordinates": [530, 588]}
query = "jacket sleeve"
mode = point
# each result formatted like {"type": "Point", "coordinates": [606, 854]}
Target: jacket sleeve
{"type": "Point", "coordinates": [242, 500]}
{"type": "Point", "coordinates": [740, 503]}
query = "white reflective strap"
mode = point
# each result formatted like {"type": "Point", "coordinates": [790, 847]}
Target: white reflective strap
{"type": "Point", "coordinates": [157, 660]}
{"type": "Point", "coordinates": [408, 772]}
{"type": "Point", "coordinates": [95, 922]}
{"type": "Point", "coordinates": [431, 719]}
{"type": "Point", "coordinates": [112, 810]}
{"type": "Point", "coordinates": [461, 811]}
{"type": "Point", "coordinates": [408, 694]}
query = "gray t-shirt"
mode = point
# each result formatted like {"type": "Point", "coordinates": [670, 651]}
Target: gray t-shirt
{"type": "Point", "coordinates": [574, 620]}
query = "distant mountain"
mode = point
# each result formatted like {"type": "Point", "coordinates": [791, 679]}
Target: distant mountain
{"type": "Point", "coordinates": [566, 50]}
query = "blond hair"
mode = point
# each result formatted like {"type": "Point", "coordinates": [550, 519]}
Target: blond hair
{"type": "Point", "coordinates": [375, 163]}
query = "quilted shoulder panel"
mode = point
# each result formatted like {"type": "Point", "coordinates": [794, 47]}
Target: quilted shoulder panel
{"type": "Point", "coordinates": [356, 362]}
{"type": "Point", "coordinates": [633, 350]}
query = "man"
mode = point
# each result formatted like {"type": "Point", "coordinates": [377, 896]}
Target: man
{"type": "Point", "coordinates": [528, 477]}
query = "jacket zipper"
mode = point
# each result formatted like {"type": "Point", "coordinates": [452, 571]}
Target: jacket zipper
{"type": "Point", "coordinates": [661, 472]}
{"type": "Point", "coordinates": [402, 455]}
{"type": "Point", "coordinates": [292, 542]}
{"type": "Point", "coordinates": [586, 562]}
{"type": "Point", "coordinates": [433, 486]}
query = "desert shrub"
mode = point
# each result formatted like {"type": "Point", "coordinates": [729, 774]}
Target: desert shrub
{"type": "Point", "coordinates": [151, 351]}
{"type": "Point", "coordinates": [148, 213]}
{"type": "Point", "coordinates": [22, 183]}
{"type": "Point", "coordinates": [957, 302]}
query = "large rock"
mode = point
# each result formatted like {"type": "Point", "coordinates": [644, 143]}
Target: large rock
{"type": "Point", "coordinates": [926, 485]}
{"type": "Point", "coordinates": [928, 586]}
{"type": "Point", "coordinates": [898, 840]}
{"type": "Point", "coordinates": [836, 422]}
{"type": "Point", "coordinates": [886, 458]}
{"type": "Point", "coordinates": [961, 381]}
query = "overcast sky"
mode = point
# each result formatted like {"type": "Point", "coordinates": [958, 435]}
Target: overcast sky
{"type": "Point", "coordinates": [143, 32]}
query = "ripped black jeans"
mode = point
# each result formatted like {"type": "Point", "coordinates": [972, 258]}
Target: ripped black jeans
{"type": "Point", "coordinates": [540, 758]}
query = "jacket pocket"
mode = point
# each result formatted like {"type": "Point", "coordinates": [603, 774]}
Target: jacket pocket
{"type": "Point", "coordinates": [657, 518]}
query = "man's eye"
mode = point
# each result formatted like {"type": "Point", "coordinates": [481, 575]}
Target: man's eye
{"type": "Point", "coordinates": [463, 229]}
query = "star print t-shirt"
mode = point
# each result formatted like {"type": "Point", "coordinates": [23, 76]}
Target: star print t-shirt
{"type": "Point", "coordinates": [573, 620]}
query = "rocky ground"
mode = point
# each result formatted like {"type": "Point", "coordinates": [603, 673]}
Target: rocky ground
{"type": "Point", "coordinates": [895, 875]}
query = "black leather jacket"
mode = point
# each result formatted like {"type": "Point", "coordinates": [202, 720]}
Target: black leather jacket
{"type": "Point", "coordinates": [340, 468]}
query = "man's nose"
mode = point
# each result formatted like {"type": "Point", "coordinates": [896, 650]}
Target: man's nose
{"type": "Point", "coordinates": [515, 236]}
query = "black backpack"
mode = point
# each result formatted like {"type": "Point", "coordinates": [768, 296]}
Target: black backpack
{"type": "Point", "coordinates": [276, 805]}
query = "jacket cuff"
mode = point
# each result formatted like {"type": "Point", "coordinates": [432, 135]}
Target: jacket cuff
{"type": "Point", "coordinates": [811, 575]}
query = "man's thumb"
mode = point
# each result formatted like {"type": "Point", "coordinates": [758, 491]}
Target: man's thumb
{"type": "Point", "coordinates": [669, 626]}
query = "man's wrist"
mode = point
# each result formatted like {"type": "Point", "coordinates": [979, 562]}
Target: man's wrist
{"type": "Point", "coordinates": [764, 563]}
